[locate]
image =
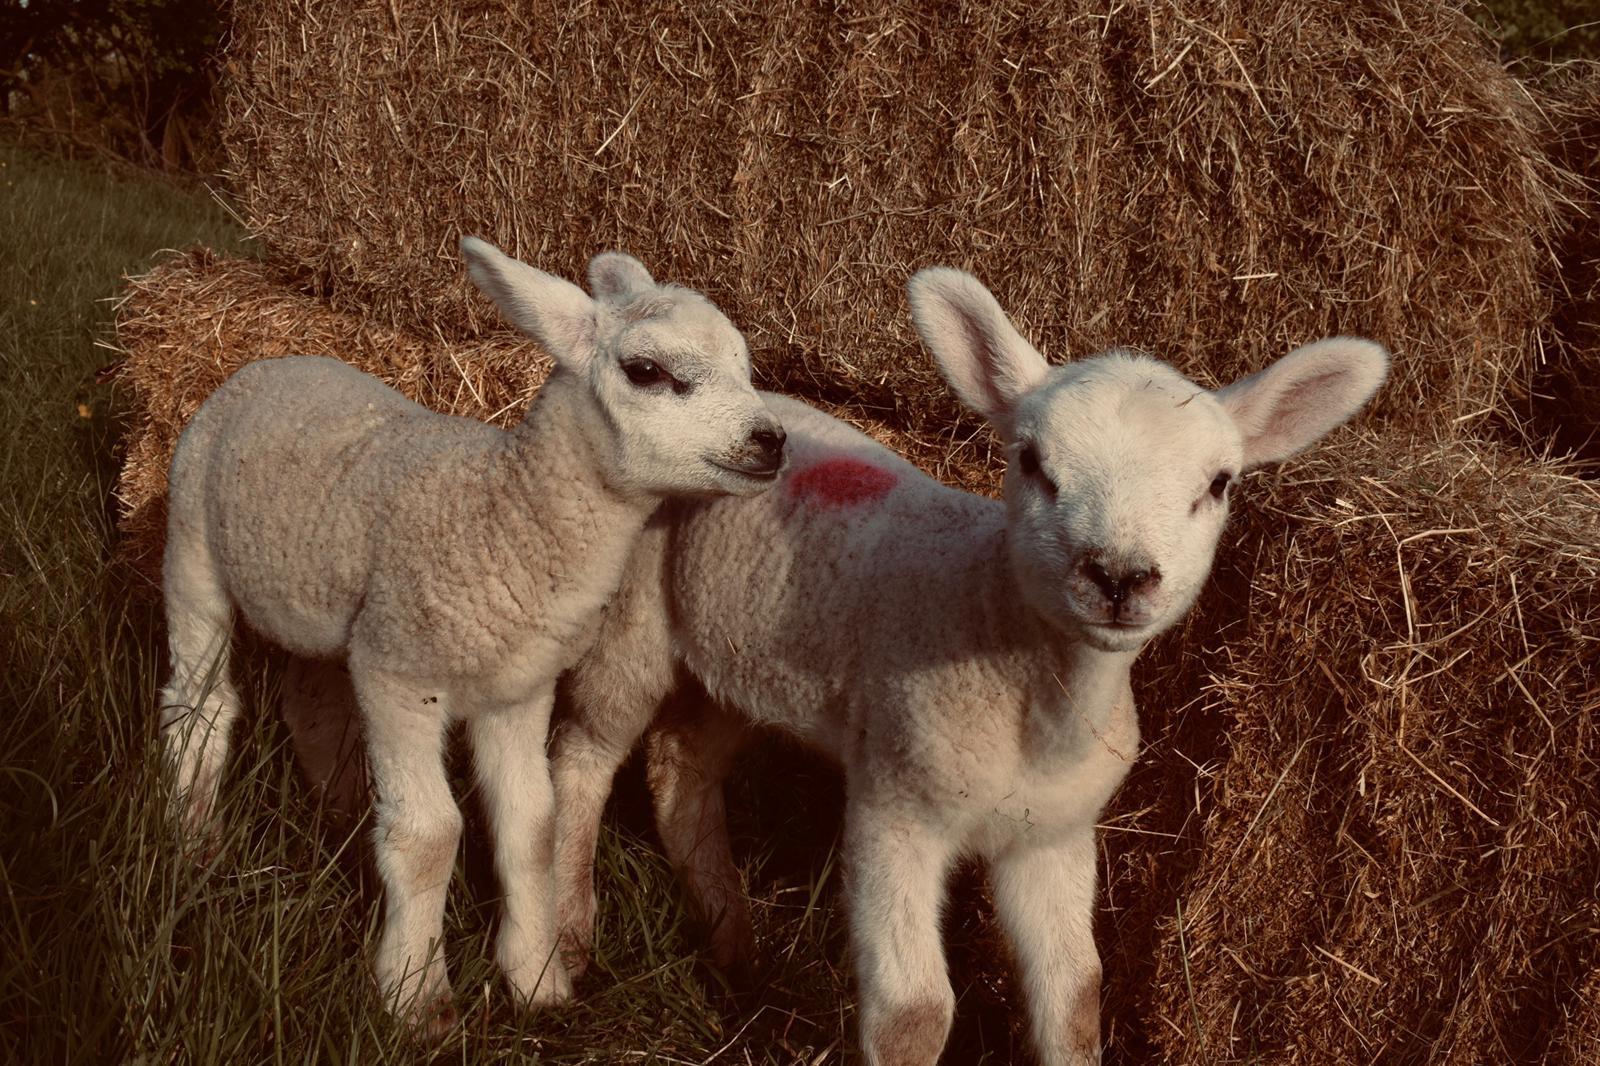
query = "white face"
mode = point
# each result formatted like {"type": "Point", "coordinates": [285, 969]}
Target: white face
{"type": "Point", "coordinates": [1117, 489]}
{"type": "Point", "coordinates": [1120, 467]}
{"type": "Point", "coordinates": [668, 375]}
{"type": "Point", "coordinates": [672, 376]}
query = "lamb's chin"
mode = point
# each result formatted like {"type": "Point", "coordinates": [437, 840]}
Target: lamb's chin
{"type": "Point", "coordinates": [1097, 634]}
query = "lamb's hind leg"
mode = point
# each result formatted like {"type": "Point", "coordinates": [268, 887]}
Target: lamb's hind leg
{"type": "Point", "coordinates": [690, 750]}
{"type": "Point", "coordinates": [199, 704]}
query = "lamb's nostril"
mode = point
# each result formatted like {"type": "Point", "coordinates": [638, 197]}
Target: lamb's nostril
{"type": "Point", "coordinates": [1140, 579]}
{"type": "Point", "coordinates": [770, 441]}
{"type": "Point", "coordinates": [1117, 586]}
{"type": "Point", "coordinates": [1094, 571]}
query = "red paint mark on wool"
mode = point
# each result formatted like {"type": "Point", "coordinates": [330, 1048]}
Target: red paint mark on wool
{"type": "Point", "coordinates": [842, 482]}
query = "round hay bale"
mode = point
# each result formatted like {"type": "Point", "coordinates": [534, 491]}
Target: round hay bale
{"type": "Point", "coordinates": [1211, 182]}
{"type": "Point", "coordinates": [1383, 838]}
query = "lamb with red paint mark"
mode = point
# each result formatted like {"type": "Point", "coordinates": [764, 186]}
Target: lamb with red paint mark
{"type": "Point", "coordinates": [966, 661]}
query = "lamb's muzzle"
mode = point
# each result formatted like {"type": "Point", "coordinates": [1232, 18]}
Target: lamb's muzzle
{"type": "Point", "coordinates": [761, 455]}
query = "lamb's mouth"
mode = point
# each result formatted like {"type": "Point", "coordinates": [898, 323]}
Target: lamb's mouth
{"type": "Point", "coordinates": [1118, 628]}
{"type": "Point", "coordinates": [761, 473]}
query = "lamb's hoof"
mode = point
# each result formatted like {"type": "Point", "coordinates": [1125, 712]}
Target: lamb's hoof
{"type": "Point", "coordinates": [736, 972]}
{"type": "Point", "coordinates": [740, 975]}
{"type": "Point", "coordinates": [538, 985]}
{"type": "Point", "coordinates": [733, 988]}
{"type": "Point", "coordinates": [733, 956]}
{"type": "Point", "coordinates": [553, 990]}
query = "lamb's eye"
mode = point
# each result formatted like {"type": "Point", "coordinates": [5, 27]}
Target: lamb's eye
{"type": "Point", "coordinates": [1028, 463]}
{"type": "Point", "coordinates": [1219, 485]}
{"type": "Point", "coordinates": [645, 373]}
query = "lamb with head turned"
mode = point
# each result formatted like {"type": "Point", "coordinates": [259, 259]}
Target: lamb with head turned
{"type": "Point", "coordinates": [456, 568]}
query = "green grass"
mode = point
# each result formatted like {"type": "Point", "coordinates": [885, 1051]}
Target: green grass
{"type": "Point", "coordinates": [78, 654]}
{"type": "Point", "coordinates": [118, 949]}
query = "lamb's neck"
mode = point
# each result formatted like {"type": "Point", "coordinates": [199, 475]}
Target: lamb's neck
{"type": "Point", "coordinates": [1092, 687]}
{"type": "Point", "coordinates": [1073, 688]}
{"type": "Point", "coordinates": [549, 485]}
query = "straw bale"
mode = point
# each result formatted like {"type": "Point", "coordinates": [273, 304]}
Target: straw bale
{"type": "Point", "coordinates": [1212, 182]}
{"type": "Point", "coordinates": [1393, 848]}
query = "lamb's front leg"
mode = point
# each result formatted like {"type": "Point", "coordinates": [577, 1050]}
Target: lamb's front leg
{"type": "Point", "coordinates": [613, 694]}
{"type": "Point", "coordinates": [508, 749]}
{"type": "Point", "coordinates": [1044, 897]}
{"type": "Point", "coordinates": [417, 831]}
{"type": "Point", "coordinates": [896, 867]}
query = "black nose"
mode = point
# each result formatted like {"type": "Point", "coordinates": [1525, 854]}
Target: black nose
{"type": "Point", "coordinates": [1118, 584]}
{"type": "Point", "coordinates": [770, 441]}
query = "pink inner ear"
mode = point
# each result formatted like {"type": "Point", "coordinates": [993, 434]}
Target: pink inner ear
{"type": "Point", "coordinates": [841, 482]}
{"type": "Point", "coordinates": [1298, 416]}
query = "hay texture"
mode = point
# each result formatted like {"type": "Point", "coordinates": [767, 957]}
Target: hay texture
{"type": "Point", "coordinates": [1212, 182]}
{"type": "Point", "coordinates": [1399, 853]}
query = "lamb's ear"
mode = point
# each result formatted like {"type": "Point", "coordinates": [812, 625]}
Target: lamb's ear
{"type": "Point", "coordinates": [1293, 403]}
{"type": "Point", "coordinates": [983, 358]}
{"type": "Point", "coordinates": [617, 274]}
{"type": "Point", "coordinates": [553, 311]}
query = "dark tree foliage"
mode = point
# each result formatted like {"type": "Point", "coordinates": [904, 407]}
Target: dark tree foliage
{"type": "Point", "coordinates": [1551, 30]}
{"type": "Point", "coordinates": [132, 77]}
